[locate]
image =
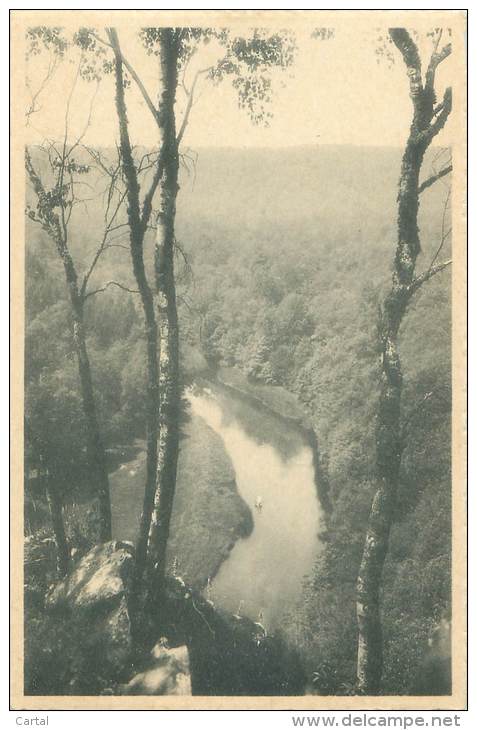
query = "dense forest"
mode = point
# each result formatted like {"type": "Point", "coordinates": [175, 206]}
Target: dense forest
{"type": "Point", "coordinates": [282, 261]}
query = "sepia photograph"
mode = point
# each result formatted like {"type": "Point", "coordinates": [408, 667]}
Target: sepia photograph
{"type": "Point", "coordinates": [238, 362]}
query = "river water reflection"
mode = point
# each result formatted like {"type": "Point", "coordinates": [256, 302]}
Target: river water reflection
{"type": "Point", "coordinates": [273, 464]}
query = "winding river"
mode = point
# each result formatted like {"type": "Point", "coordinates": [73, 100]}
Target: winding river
{"type": "Point", "coordinates": [273, 464]}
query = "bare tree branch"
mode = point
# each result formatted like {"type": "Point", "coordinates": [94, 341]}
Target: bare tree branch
{"type": "Point", "coordinates": [135, 76]}
{"type": "Point", "coordinates": [99, 39]}
{"type": "Point", "coordinates": [116, 245]}
{"type": "Point", "coordinates": [190, 102]}
{"type": "Point", "coordinates": [147, 204]}
{"type": "Point", "coordinates": [432, 271]}
{"type": "Point", "coordinates": [433, 267]}
{"type": "Point", "coordinates": [147, 161]}
{"type": "Point", "coordinates": [444, 235]}
{"type": "Point", "coordinates": [185, 67]}
{"type": "Point", "coordinates": [88, 122]}
{"type": "Point", "coordinates": [107, 285]}
{"type": "Point", "coordinates": [113, 173]}
{"type": "Point", "coordinates": [427, 135]}
{"type": "Point", "coordinates": [52, 65]}
{"type": "Point", "coordinates": [434, 178]}
{"type": "Point", "coordinates": [182, 300]}
{"type": "Point", "coordinates": [103, 245]}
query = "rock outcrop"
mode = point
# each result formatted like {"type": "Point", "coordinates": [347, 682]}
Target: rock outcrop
{"type": "Point", "coordinates": [168, 673]}
{"type": "Point", "coordinates": [93, 604]}
{"type": "Point", "coordinates": [229, 655]}
{"type": "Point", "coordinates": [100, 577]}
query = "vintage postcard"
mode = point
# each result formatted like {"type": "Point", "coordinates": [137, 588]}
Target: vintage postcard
{"type": "Point", "coordinates": [238, 382]}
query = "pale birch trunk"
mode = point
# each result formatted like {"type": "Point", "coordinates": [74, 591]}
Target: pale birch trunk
{"type": "Point", "coordinates": [167, 316]}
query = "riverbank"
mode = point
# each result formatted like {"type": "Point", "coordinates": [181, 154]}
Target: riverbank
{"type": "Point", "coordinates": [280, 402]}
{"type": "Point", "coordinates": [206, 495]}
{"type": "Point", "coordinates": [209, 515]}
{"type": "Point", "coordinates": [273, 398]}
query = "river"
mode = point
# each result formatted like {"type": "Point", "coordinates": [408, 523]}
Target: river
{"type": "Point", "coordinates": [263, 575]}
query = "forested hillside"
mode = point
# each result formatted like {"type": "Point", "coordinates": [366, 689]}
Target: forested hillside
{"type": "Point", "coordinates": [283, 257]}
{"type": "Point", "coordinates": [293, 297]}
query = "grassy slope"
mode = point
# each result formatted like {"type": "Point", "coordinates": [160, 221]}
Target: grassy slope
{"type": "Point", "coordinates": [274, 398]}
{"type": "Point", "coordinates": [209, 515]}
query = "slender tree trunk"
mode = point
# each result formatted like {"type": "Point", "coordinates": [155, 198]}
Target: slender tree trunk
{"type": "Point", "coordinates": [167, 317]}
{"type": "Point", "coordinates": [388, 440]}
{"type": "Point", "coordinates": [137, 229]}
{"type": "Point", "coordinates": [56, 512]}
{"type": "Point", "coordinates": [57, 230]}
{"type": "Point", "coordinates": [94, 445]}
{"type": "Point", "coordinates": [388, 431]}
